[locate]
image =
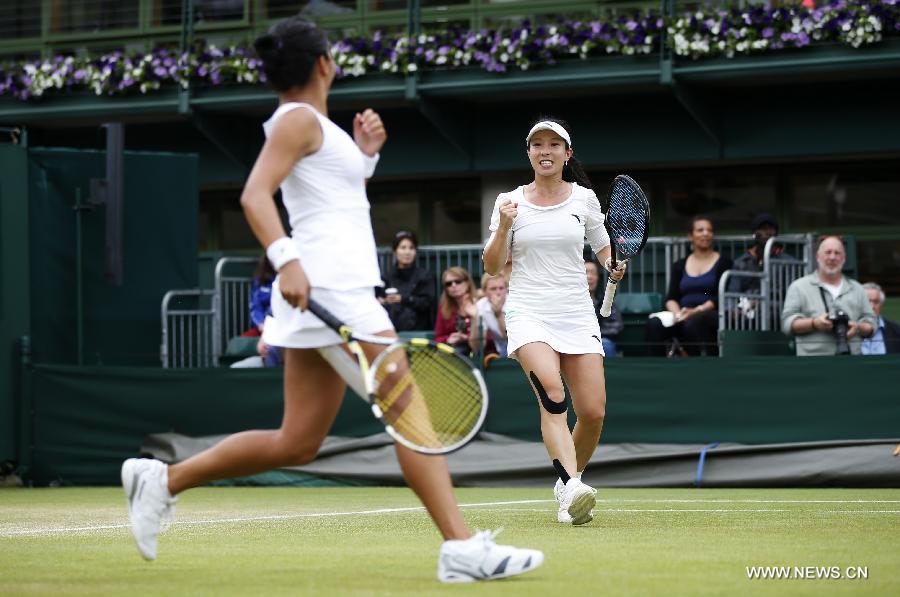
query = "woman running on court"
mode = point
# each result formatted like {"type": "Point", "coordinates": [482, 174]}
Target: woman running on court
{"type": "Point", "coordinates": [550, 322]}
{"type": "Point", "coordinates": [321, 171]}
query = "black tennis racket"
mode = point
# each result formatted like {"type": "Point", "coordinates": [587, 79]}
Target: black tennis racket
{"type": "Point", "coordinates": [627, 223]}
{"type": "Point", "coordinates": [429, 398]}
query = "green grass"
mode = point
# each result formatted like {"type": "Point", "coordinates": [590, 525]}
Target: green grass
{"type": "Point", "coordinates": [641, 542]}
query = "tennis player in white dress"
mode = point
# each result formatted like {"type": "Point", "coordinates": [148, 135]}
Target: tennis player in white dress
{"type": "Point", "coordinates": [551, 325]}
{"type": "Point", "coordinates": [329, 256]}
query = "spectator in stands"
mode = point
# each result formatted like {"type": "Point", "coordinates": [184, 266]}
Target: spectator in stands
{"type": "Point", "coordinates": [260, 308]}
{"type": "Point", "coordinates": [763, 227]}
{"type": "Point", "coordinates": [611, 326]}
{"type": "Point", "coordinates": [456, 309]}
{"type": "Point", "coordinates": [408, 288]}
{"type": "Point", "coordinates": [814, 304]}
{"type": "Point", "coordinates": [886, 339]}
{"type": "Point", "coordinates": [489, 317]}
{"type": "Point", "coordinates": [693, 298]}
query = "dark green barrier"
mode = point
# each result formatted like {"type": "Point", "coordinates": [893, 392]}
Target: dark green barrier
{"type": "Point", "coordinates": [89, 419]}
{"type": "Point", "coordinates": [121, 323]}
{"type": "Point", "coordinates": [15, 301]}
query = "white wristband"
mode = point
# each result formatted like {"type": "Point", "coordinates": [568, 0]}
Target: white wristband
{"type": "Point", "coordinates": [282, 251]}
{"type": "Point", "coordinates": [369, 164]}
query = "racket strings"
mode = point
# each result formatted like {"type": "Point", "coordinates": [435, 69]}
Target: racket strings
{"type": "Point", "coordinates": [430, 398]}
{"type": "Point", "coordinates": [627, 218]}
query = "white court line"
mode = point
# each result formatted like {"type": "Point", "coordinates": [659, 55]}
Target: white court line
{"type": "Point", "coordinates": [93, 528]}
{"type": "Point", "coordinates": [725, 501]}
{"type": "Point", "coordinates": [57, 530]}
{"type": "Point", "coordinates": [713, 510]}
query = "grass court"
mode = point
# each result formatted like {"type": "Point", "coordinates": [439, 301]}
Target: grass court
{"type": "Point", "coordinates": [378, 541]}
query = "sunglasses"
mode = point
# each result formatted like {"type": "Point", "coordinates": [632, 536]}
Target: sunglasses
{"type": "Point", "coordinates": [450, 283]}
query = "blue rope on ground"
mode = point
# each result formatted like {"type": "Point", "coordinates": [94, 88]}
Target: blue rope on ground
{"type": "Point", "coordinates": [702, 461]}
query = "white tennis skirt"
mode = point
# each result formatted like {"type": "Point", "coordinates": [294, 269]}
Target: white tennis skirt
{"type": "Point", "coordinates": [288, 327]}
{"type": "Point", "coordinates": [566, 333]}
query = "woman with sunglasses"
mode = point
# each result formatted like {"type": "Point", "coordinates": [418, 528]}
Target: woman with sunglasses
{"type": "Point", "coordinates": [456, 309]}
{"type": "Point", "coordinates": [550, 322]}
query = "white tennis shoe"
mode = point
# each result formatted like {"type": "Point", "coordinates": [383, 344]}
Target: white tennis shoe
{"type": "Point", "coordinates": [579, 500]}
{"type": "Point", "coordinates": [559, 492]}
{"type": "Point", "coordinates": [150, 505]}
{"type": "Point", "coordinates": [479, 558]}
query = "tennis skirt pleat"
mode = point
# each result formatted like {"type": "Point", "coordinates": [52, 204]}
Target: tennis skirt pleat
{"type": "Point", "coordinates": [566, 333]}
{"type": "Point", "coordinates": [288, 327]}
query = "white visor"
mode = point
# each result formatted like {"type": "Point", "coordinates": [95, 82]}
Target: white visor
{"type": "Point", "coordinates": [546, 125]}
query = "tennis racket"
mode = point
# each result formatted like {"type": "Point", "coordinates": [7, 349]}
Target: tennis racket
{"type": "Point", "coordinates": [428, 398]}
{"type": "Point", "coordinates": [627, 223]}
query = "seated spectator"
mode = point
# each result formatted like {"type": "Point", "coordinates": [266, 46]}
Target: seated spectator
{"type": "Point", "coordinates": [886, 339]}
{"type": "Point", "coordinates": [763, 227]}
{"type": "Point", "coordinates": [692, 298]}
{"type": "Point", "coordinates": [611, 326]}
{"type": "Point", "coordinates": [489, 317]}
{"type": "Point", "coordinates": [827, 312]}
{"type": "Point", "coordinates": [456, 309]}
{"type": "Point", "coordinates": [260, 308]}
{"type": "Point", "coordinates": [408, 289]}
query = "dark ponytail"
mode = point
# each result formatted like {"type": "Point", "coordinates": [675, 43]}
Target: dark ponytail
{"type": "Point", "coordinates": [573, 171]}
{"type": "Point", "coordinates": [289, 51]}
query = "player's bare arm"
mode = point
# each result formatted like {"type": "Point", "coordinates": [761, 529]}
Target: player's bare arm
{"type": "Point", "coordinates": [496, 254]}
{"type": "Point", "coordinates": [295, 135]}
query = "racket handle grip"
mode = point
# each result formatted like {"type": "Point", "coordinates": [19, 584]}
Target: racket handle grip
{"type": "Point", "coordinates": [323, 314]}
{"type": "Point", "coordinates": [606, 307]}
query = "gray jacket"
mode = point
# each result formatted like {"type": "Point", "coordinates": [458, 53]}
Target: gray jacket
{"type": "Point", "coordinates": [804, 300]}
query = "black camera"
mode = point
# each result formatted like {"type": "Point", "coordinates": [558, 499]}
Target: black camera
{"type": "Point", "coordinates": [840, 324]}
{"type": "Point", "coordinates": [462, 324]}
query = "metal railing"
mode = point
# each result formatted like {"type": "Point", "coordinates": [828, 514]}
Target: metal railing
{"type": "Point", "coordinates": [196, 334]}
{"type": "Point", "coordinates": [190, 336]}
{"type": "Point", "coordinates": [36, 25]}
{"type": "Point", "coordinates": [231, 301]}
{"type": "Point", "coordinates": [752, 301]}
{"type": "Point", "coordinates": [197, 324]}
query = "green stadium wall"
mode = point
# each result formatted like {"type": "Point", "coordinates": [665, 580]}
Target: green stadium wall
{"type": "Point", "coordinates": [14, 299]}
{"type": "Point", "coordinates": [87, 419]}
{"type": "Point", "coordinates": [121, 323]}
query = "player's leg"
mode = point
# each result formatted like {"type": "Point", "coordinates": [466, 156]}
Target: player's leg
{"type": "Point", "coordinates": [585, 378]}
{"type": "Point", "coordinates": [464, 556]}
{"type": "Point", "coordinates": [541, 366]}
{"type": "Point", "coordinates": [312, 397]}
{"type": "Point", "coordinates": [428, 476]}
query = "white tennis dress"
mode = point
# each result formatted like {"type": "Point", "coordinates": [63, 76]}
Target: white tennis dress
{"type": "Point", "coordinates": [548, 294]}
{"type": "Point", "coordinates": [325, 197]}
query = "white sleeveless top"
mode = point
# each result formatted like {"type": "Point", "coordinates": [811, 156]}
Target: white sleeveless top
{"type": "Point", "coordinates": [547, 252]}
{"type": "Point", "coordinates": [325, 197]}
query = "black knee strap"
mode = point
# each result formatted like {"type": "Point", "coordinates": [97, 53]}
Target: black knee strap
{"type": "Point", "coordinates": [561, 471]}
{"type": "Point", "coordinates": [554, 408]}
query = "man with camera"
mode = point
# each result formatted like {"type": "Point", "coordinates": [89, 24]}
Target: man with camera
{"type": "Point", "coordinates": [827, 312]}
